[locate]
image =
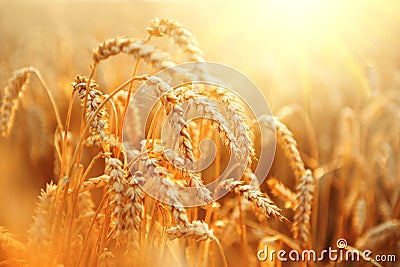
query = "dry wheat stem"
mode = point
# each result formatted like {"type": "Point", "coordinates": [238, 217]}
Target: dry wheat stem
{"type": "Point", "coordinates": [52, 101]}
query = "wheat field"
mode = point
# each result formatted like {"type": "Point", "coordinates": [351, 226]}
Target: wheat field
{"type": "Point", "coordinates": [93, 175]}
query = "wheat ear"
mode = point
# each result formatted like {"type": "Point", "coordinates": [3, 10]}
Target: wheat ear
{"type": "Point", "coordinates": [11, 96]}
{"type": "Point", "coordinates": [261, 201]}
{"type": "Point", "coordinates": [42, 219]}
{"type": "Point", "coordinates": [9, 245]}
{"type": "Point", "coordinates": [279, 190]}
{"type": "Point", "coordinates": [208, 109]}
{"type": "Point", "coordinates": [95, 182]}
{"type": "Point", "coordinates": [236, 117]}
{"type": "Point", "coordinates": [304, 198]}
{"type": "Point", "coordinates": [99, 126]}
{"type": "Point", "coordinates": [170, 161]}
{"type": "Point", "coordinates": [359, 216]}
{"type": "Point", "coordinates": [287, 142]}
{"type": "Point", "coordinates": [181, 35]}
{"type": "Point", "coordinates": [195, 229]}
{"type": "Point", "coordinates": [132, 210]}
{"type": "Point", "coordinates": [160, 177]}
{"type": "Point", "coordinates": [114, 169]}
{"type": "Point", "coordinates": [305, 182]}
{"type": "Point", "coordinates": [378, 236]}
{"type": "Point", "coordinates": [136, 48]}
{"type": "Point", "coordinates": [107, 258]}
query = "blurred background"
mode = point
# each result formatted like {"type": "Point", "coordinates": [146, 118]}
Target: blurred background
{"type": "Point", "coordinates": [319, 56]}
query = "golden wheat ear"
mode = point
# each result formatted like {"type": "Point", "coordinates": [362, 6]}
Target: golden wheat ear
{"type": "Point", "coordinates": [260, 200]}
{"type": "Point", "coordinates": [278, 189]}
{"type": "Point", "coordinates": [137, 48]}
{"type": "Point", "coordinates": [99, 126]}
{"type": "Point", "coordinates": [305, 181]}
{"type": "Point", "coordinates": [181, 35]}
{"type": "Point", "coordinates": [9, 245]}
{"type": "Point", "coordinates": [11, 97]}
